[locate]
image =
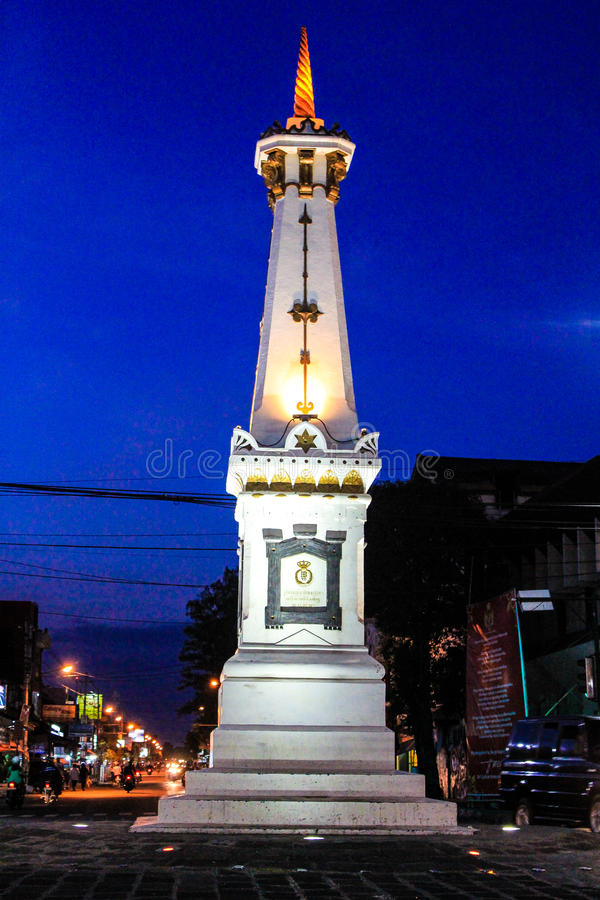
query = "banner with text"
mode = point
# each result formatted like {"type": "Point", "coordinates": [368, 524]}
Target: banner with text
{"type": "Point", "coordinates": [494, 688]}
{"type": "Point", "coordinates": [58, 712]}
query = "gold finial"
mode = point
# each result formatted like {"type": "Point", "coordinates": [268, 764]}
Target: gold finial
{"type": "Point", "coordinates": [304, 101]}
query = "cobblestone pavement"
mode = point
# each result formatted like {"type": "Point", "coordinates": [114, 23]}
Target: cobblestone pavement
{"type": "Point", "coordinates": [101, 860]}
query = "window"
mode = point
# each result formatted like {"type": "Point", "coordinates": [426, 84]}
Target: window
{"type": "Point", "coordinates": [594, 741]}
{"type": "Point", "coordinates": [524, 740]}
{"type": "Point", "coordinates": [549, 736]}
{"type": "Point", "coordinates": [572, 741]}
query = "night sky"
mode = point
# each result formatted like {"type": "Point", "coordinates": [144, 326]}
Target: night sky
{"type": "Point", "coordinates": [134, 237]}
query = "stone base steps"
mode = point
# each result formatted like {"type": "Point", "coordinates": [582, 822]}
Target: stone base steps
{"type": "Point", "coordinates": [303, 815]}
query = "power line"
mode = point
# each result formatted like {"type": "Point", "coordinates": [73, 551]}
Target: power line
{"type": "Point", "coordinates": [84, 575]}
{"type": "Point", "coordinates": [104, 676]}
{"type": "Point", "coordinates": [93, 579]}
{"type": "Point", "coordinates": [64, 615]}
{"type": "Point", "coordinates": [156, 534]}
{"type": "Point", "coordinates": [113, 547]}
{"type": "Point", "coordinates": [122, 478]}
{"type": "Point", "coordinates": [27, 489]}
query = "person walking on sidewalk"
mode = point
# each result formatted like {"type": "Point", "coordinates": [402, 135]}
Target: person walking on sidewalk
{"type": "Point", "coordinates": [74, 776]}
{"type": "Point", "coordinates": [83, 775]}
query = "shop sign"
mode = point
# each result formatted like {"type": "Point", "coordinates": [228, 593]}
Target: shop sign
{"type": "Point", "coordinates": [59, 712]}
{"type": "Point", "coordinates": [80, 728]}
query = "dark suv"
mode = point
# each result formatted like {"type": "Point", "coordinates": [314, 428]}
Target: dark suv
{"type": "Point", "coordinates": [552, 770]}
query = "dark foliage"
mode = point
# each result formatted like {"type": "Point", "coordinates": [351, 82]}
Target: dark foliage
{"type": "Point", "coordinates": [210, 640]}
{"type": "Point", "coordinates": [420, 571]}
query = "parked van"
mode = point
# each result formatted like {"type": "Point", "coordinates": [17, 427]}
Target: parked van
{"type": "Point", "coordinates": [552, 770]}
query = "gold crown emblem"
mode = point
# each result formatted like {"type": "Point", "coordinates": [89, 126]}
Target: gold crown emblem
{"type": "Point", "coordinates": [303, 575]}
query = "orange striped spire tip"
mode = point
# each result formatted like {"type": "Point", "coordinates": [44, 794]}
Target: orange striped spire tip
{"type": "Point", "coordinates": [304, 99]}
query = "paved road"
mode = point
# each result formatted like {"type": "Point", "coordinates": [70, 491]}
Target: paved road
{"type": "Point", "coordinates": [97, 802]}
{"type": "Point", "coordinates": [82, 850]}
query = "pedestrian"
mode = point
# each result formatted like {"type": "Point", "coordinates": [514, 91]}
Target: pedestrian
{"type": "Point", "coordinates": [74, 776]}
{"type": "Point", "coordinates": [63, 775]}
{"type": "Point", "coordinates": [83, 775]}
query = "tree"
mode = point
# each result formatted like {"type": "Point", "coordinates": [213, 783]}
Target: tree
{"type": "Point", "coordinates": [210, 640]}
{"type": "Point", "coordinates": [168, 750]}
{"type": "Point", "coordinates": [419, 570]}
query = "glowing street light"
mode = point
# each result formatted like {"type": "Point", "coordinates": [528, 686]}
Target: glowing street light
{"type": "Point", "coordinates": [214, 682]}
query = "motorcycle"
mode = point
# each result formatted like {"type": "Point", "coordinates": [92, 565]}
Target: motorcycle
{"type": "Point", "coordinates": [138, 776]}
{"type": "Point", "coordinates": [14, 795]}
{"type": "Point", "coordinates": [48, 794]}
{"type": "Point", "coordinates": [129, 782]}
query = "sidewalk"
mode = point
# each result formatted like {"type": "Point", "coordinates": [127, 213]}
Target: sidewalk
{"type": "Point", "coordinates": [89, 860]}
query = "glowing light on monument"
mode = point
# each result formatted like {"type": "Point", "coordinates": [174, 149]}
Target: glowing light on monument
{"type": "Point", "coordinates": [293, 391]}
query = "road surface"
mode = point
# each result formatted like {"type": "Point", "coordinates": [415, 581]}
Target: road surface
{"type": "Point", "coordinates": [82, 849]}
{"type": "Point", "coordinates": [102, 802]}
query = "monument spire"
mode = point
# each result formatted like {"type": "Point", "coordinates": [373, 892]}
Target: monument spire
{"type": "Point", "coordinates": [304, 101]}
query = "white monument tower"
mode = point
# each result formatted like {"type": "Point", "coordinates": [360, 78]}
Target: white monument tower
{"type": "Point", "coordinates": [301, 742]}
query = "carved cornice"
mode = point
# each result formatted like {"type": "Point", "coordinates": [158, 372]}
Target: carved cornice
{"type": "Point", "coordinates": [306, 127]}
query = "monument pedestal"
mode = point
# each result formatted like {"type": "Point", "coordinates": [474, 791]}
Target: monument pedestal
{"type": "Point", "coordinates": [319, 761]}
{"type": "Point", "coordinates": [299, 709]}
{"type": "Point", "coordinates": [352, 802]}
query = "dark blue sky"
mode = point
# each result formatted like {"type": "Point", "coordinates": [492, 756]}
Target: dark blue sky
{"type": "Point", "coordinates": [134, 237]}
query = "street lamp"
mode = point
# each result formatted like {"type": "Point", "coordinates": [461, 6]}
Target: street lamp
{"type": "Point", "coordinates": [87, 677]}
{"type": "Point", "coordinates": [70, 671]}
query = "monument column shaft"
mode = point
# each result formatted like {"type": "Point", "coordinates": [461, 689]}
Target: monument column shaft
{"type": "Point", "coordinates": [279, 375]}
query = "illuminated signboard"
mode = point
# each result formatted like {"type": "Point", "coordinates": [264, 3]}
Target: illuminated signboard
{"type": "Point", "coordinates": [89, 706]}
{"type": "Point", "coordinates": [2, 696]}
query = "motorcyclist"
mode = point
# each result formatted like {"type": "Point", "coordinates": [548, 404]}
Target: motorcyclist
{"type": "Point", "coordinates": [52, 774]}
{"type": "Point", "coordinates": [15, 772]}
{"type": "Point", "coordinates": [128, 769]}
{"type": "Point", "coordinates": [15, 775]}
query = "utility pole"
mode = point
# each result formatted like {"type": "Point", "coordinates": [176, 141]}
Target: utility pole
{"type": "Point", "coordinates": [596, 637]}
{"type": "Point", "coordinates": [25, 717]}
